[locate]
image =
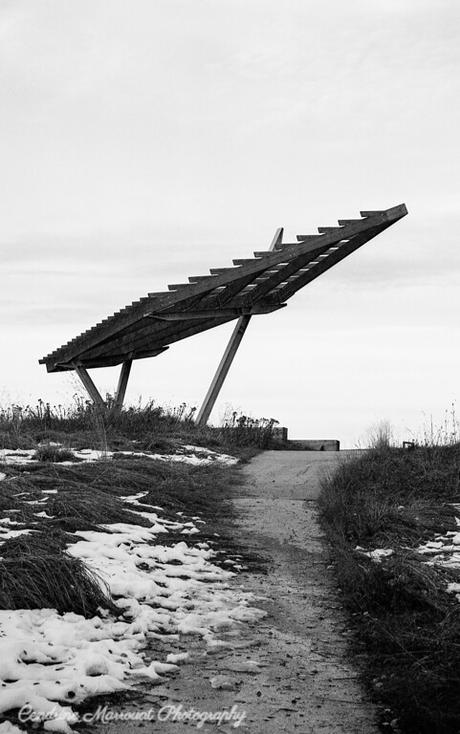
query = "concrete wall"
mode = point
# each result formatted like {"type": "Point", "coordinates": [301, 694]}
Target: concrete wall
{"type": "Point", "coordinates": [280, 434]}
{"type": "Point", "coordinates": [324, 444]}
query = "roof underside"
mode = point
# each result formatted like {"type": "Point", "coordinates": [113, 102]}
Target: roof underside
{"type": "Point", "coordinates": [258, 285]}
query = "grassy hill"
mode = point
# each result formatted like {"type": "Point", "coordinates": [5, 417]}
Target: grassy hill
{"type": "Point", "coordinates": [391, 518]}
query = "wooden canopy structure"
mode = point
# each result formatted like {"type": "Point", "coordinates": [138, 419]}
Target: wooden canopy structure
{"type": "Point", "coordinates": [257, 285]}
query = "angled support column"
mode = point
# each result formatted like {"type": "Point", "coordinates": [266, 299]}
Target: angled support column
{"type": "Point", "coordinates": [222, 370]}
{"type": "Point", "coordinates": [90, 387]}
{"type": "Point", "coordinates": [229, 354]}
{"type": "Point", "coordinates": [122, 385]}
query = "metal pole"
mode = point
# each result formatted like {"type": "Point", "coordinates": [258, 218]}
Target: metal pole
{"type": "Point", "coordinates": [229, 354]}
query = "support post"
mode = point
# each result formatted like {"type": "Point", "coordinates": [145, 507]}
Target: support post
{"type": "Point", "coordinates": [90, 387]}
{"type": "Point", "coordinates": [122, 385]}
{"type": "Point", "coordinates": [222, 370]}
{"type": "Point", "coordinates": [229, 354]}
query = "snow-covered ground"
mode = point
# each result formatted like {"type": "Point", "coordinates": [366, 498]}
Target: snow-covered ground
{"type": "Point", "coordinates": [187, 454]}
{"type": "Point", "coordinates": [50, 662]}
{"type": "Point", "coordinates": [443, 551]}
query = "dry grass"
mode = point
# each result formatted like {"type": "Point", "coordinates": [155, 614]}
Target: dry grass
{"type": "Point", "coordinates": [35, 572]}
{"type": "Point", "coordinates": [83, 508]}
{"type": "Point", "coordinates": [145, 427]}
{"type": "Point", "coordinates": [408, 625]}
{"type": "Point", "coordinates": [54, 454]}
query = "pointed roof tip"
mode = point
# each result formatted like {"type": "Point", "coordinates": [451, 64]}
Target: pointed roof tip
{"type": "Point", "coordinates": [398, 210]}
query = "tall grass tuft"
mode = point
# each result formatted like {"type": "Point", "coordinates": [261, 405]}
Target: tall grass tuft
{"type": "Point", "coordinates": [54, 454]}
{"type": "Point", "coordinates": [241, 430]}
{"type": "Point", "coordinates": [36, 573]}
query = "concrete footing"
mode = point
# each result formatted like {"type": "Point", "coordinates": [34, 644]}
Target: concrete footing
{"type": "Point", "coordinates": [280, 435]}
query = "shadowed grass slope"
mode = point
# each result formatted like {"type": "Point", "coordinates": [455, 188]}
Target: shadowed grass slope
{"type": "Point", "coordinates": [35, 570]}
{"type": "Point", "coordinates": [174, 486]}
{"type": "Point", "coordinates": [409, 626]}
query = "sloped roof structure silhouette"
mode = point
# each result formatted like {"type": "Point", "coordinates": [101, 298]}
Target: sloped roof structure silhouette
{"type": "Point", "coordinates": [257, 285]}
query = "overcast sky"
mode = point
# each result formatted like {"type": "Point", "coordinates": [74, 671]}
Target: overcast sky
{"type": "Point", "coordinates": [142, 142]}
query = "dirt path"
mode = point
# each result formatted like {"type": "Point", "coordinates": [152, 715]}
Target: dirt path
{"type": "Point", "coordinates": [303, 682]}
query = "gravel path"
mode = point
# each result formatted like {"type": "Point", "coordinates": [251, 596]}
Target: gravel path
{"type": "Point", "coordinates": [303, 682]}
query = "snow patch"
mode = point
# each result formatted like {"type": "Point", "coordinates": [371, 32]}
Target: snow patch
{"type": "Point", "coordinates": [377, 554]}
{"type": "Point", "coordinates": [187, 454]}
{"type": "Point", "coordinates": [53, 661]}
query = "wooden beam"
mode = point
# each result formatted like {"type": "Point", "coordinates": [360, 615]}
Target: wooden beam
{"type": "Point", "coordinates": [122, 385]}
{"type": "Point", "coordinates": [167, 333]}
{"type": "Point", "coordinates": [108, 359]}
{"type": "Point", "coordinates": [91, 388]}
{"type": "Point", "coordinates": [277, 241]}
{"type": "Point", "coordinates": [193, 315]}
{"type": "Point", "coordinates": [222, 370]}
{"type": "Point", "coordinates": [212, 313]}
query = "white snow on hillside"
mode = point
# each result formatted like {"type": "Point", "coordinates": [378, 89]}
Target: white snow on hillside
{"type": "Point", "coordinates": [52, 662]}
{"type": "Point", "coordinates": [186, 454]}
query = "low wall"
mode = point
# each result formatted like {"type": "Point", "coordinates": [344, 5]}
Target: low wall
{"type": "Point", "coordinates": [280, 434]}
{"type": "Point", "coordinates": [324, 444]}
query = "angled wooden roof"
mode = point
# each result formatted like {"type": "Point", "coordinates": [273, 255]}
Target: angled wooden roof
{"type": "Point", "coordinates": [257, 285]}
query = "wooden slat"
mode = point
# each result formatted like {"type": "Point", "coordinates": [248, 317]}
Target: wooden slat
{"type": "Point", "coordinates": [306, 237]}
{"type": "Point", "coordinates": [329, 230]}
{"type": "Point", "coordinates": [346, 249]}
{"type": "Point", "coordinates": [220, 271]}
{"type": "Point", "coordinates": [283, 273]}
{"type": "Point", "coordinates": [243, 261]}
{"type": "Point", "coordinates": [233, 289]}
